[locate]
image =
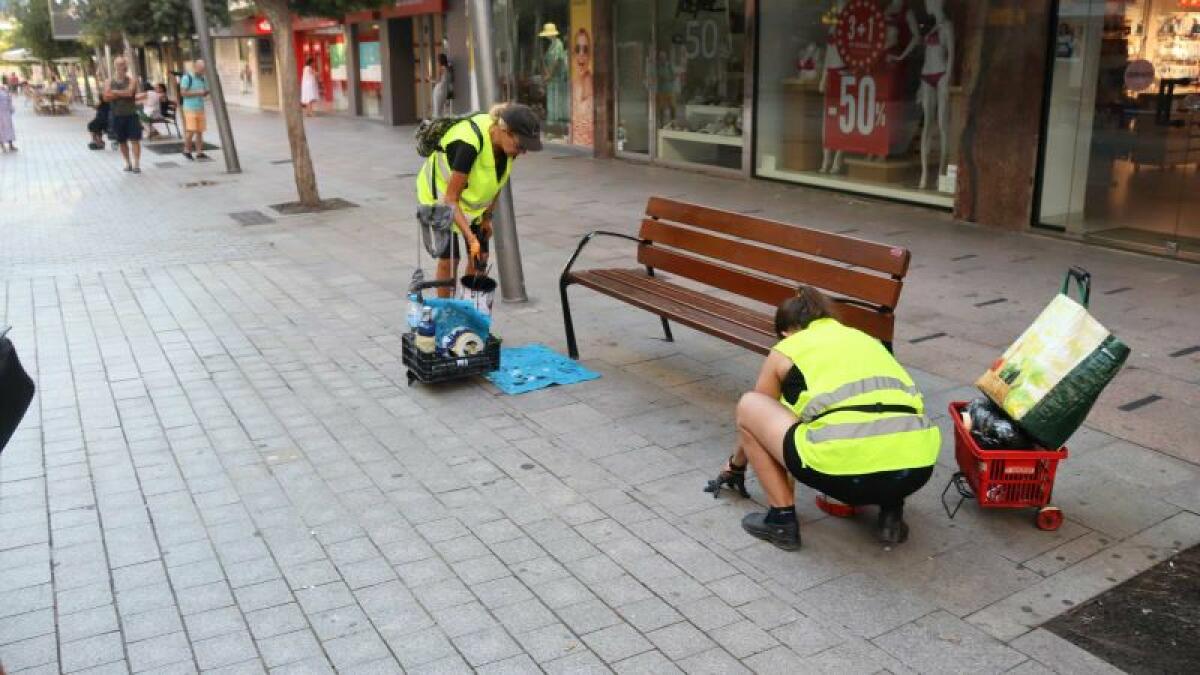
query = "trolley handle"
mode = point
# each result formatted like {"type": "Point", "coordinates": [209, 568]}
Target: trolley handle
{"type": "Point", "coordinates": [1083, 284]}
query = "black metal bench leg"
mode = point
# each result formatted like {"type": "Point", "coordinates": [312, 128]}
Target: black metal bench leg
{"type": "Point", "coordinates": [667, 330]}
{"type": "Point", "coordinates": [568, 325]}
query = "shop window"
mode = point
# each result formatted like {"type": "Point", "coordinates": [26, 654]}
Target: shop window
{"type": "Point", "coordinates": [863, 95]}
{"type": "Point", "coordinates": [699, 67]}
{"type": "Point", "coordinates": [1122, 151]}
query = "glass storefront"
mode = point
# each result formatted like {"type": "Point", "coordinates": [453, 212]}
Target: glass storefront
{"type": "Point", "coordinates": [863, 95]}
{"type": "Point", "coordinates": [327, 49]}
{"type": "Point", "coordinates": [533, 43]}
{"type": "Point", "coordinates": [370, 71]}
{"type": "Point", "coordinates": [1122, 155]}
{"type": "Point", "coordinates": [236, 70]}
{"type": "Point", "coordinates": [680, 80]}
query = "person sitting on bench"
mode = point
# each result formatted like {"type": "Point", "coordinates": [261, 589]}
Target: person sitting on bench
{"type": "Point", "coordinates": [833, 408]}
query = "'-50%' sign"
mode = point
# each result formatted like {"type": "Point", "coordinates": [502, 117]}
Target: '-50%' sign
{"type": "Point", "coordinates": [861, 34]}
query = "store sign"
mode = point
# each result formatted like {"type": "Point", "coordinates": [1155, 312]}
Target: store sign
{"type": "Point", "coordinates": [262, 27]}
{"type": "Point", "coordinates": [1139, 75]}
{"type": "Point", "coordinates": [861, 34]}
{"type": "Point", "coordinates": [864, 113]}
{"type": "Point", "coordinates": [582, 52]}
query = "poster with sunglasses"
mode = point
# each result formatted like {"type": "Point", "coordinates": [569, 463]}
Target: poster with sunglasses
{"type": "Point", "coordinates": [582, 103]}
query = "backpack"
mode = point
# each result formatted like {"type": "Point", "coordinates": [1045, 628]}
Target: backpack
{"type": "Point", "coordinates": [429, 132]}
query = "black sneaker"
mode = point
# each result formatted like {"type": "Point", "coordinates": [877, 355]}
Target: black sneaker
{"type": "Point", "coordinates": [892, 528]}
{"type": "Point", "coordinates": [128, 168]}
{"type": "Point", "coordinates": [201, 155]}
{"type": "Point", "coordinates": [786, 536]}
{"type": "Point", "coordinates": [137, 169]}
{"type": "Point", "coordinates": [188, 155]}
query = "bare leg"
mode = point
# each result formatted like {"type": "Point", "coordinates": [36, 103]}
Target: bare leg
{"type": "Point", "coordinates": [447, 268]}
{"type": "Point", "coordinates": [125, 154]}
{"type": "Point", "coordinates": [762, 424]}
{"type": "Point", "coordinates": [943, 118]}
{"type": "Point", "coordinates": [137, 154]}
{"type": "Point", "coordinates": [928, 103]}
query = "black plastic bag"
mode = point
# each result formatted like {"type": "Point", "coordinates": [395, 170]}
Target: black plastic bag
{"type": "Point", "coordinates": [995, 430]}
{"type": "Point", "coordinates": [16, 389]}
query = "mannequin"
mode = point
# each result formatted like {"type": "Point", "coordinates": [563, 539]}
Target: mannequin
{"type": "Point", "coordinates": [898, 17]}
{"type": "Point", "coordinates": [831, 161]}
{"type": "Point", "coordinates": [554, 72]}
{"type": "Point", "coordinates": [935, 87]}
{"type": "Point", "coordinates": [808, 64]}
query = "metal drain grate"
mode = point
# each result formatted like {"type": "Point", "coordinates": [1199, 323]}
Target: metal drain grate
{"type": "Point", "coordinates": [174, 148]}
{"type": "Point", "coordinates": [251, 218]}
{"type": "Point", "coordinates": [281, 161]}
{"type": "Point", "coordinates": [200, 183]}
{"type": "Point", "coordinates": [166, 165]}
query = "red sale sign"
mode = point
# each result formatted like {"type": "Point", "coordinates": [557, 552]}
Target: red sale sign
{"type": "Point", "coordinates": [861, 34]}
{"type": "Point", "coordinates": [864, 112]}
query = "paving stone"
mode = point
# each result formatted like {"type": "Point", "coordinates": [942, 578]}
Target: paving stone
{"type": "Point", "coordinates": [712, 661]}
{"type": "Point", "coordinates": [943, 643]}
{"type": "Point", "coordinates": [588, 616]}
{"type": "Point", "coordinates": [621, 591]}
{"type": "Point", "coordinates": [550, 642]}
{"type": "Point", "coordinates": [87, 623]}
{"type": "Point", "coordinates": [1059, 655]}
{"type": "Point", "coordinates": [777, 660]}
{"type": "Point", "coordinates": [616, 643]}
{"type": "Point", "coordinates": [486, 646]}
{"type": "Point", "coordinates": [155, 623]}
{"type": "Point", "coordinates": [335, 623]}
{"type": "Point", "coordinates": [419, 647]}
{"type": "Point", "coordinates": [648, 663]}
{"type": "Point", "coordinates": [287, 648]}
{"type": "Point", "coordinates": [261, 596]}
{"type": "Point", "coordinates": [501, 592]}
{"type": "Point", "coordinates": [737, 590]}
{"type": "Point", "coordinates": [323, 597]}
{"type": "Point", "coordinates": [443, 594]}
{"type": "Point", "coordinates": [805, 637]}
{"type": "Point", "coordinates": [92, 651]}
{"type": "Point", "coordinates": [709, 613]}
{"type": "Point", "coordinates": [31, 653]}
{"type": "Point", "coordinates": [214, 622]}
{"type": "Point", "coordinates": [743, 638]}
{"type": "Point", "coordinates": [355, 649]}
{"type": "Point", "coordinates": [768, 613]}
{"type": "Point", "coordinates": [157, 652]}
{"type": "Point", "coordinates": [272, 621]}
{"type": "Point", "coordinates": [462, 619]}
{"type": "Point", "coordinates": [680, 640]}
{"type": "Point", "coordinates": [647, 615]}
{"type": "Point", "coordinates": [450, 665]}
{"type": "Point", "coordinates": [224, 650]}
{"type": "Point", "coordinates": [862, 604]}
{"type": "Point", "coordinates": [25, 626]}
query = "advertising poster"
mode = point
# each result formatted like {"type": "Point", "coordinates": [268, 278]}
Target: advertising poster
{"type": "Point", "coordinates": [337, 61]}
{"type": "Point", "coordinates": [582, 58]}
{"type": "Point", "coordinates": [370, 68]}
{"type": "Point", "coordinates": [863, 106]}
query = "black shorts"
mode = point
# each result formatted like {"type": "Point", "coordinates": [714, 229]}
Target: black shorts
{"type": "Point", "coordinates": [452, 245]}
{"type": "Point", "coordinates": [126, 128]}
{"type": "Point", "coordinates": [885, 488]}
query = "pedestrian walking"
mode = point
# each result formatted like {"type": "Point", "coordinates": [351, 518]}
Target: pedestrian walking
{"type": "Point", "coordinates": [467, 171]}
{"type": "Point", "coordinates": [310, 93]}
{"type": "Point", "coordinates": [193, 88]}
{"type": "Point", "coordinates": [121, 91]}
{"type": "Point", "coordinates": [8, 135]}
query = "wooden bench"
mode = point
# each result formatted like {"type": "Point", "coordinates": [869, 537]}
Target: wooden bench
{"type": "Point", "coordinates": [746, 258]}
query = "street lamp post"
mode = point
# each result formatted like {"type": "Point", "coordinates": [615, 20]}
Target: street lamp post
{"type": "Point", "coordinates": [512, 275]}
{"type": "Point", "coordinates": [214, 81]}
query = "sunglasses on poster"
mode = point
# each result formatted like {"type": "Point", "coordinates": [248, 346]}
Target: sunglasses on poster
{"type": "Point", "coordinates": [582, 48]}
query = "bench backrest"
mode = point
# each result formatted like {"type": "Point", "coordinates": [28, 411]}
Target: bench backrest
{"type": "Point", "coordinates": [765, 260]}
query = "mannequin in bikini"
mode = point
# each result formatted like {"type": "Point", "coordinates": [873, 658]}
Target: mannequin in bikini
{"type": "Point", "coordinates": [832, 159]}
{"type": "Point", "coordinates": [935, 86]}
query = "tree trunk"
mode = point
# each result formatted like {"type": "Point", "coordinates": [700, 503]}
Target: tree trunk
{"type": "Point", "coordinates": [285, 55]}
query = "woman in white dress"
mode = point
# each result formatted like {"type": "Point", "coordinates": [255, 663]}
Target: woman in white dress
{"type": "Point", "coordinates": [7, 135]}
{"type": "Point", "coordinates": [309, 94]}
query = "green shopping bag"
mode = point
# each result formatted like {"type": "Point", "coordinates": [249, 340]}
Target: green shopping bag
{"type": "Point", "coordinates": [1048, 380]}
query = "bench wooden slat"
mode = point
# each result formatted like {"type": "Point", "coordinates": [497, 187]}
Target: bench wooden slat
{"type": "Point", "coordinates": [680, 313]}
{"type": "Point", "coordinates": [872, 288]}
{"type": "Point", "coordinates": [757, 321]}
{"type": "Point", "coordinates": [858, 252]}
{"type": "Point", "coordinates": [759, 288]}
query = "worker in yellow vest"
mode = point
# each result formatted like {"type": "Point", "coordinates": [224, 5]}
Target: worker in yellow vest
{"type": "Point", "coordinates": [835, 410]}
{"type": "Point", "coordinates": [471, 165]}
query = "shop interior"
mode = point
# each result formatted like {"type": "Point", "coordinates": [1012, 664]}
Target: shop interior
{"type": "Point", "coordinates": [532, 38]}
{"type": "Point", "coordinates": [1122, 158]}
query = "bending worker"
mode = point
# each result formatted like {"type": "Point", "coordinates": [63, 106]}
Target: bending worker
{"type": "Point", "coordinates": [837, 412]}
{"type": "Point", "coordinates": [471, 165]}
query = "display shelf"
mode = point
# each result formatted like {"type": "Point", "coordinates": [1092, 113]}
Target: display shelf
{"type": "Point", "coordinates": [697, 137]}
{"type": "Point", "coordinates": [717, 110]}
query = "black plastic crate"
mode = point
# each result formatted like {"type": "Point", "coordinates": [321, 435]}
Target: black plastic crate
{"type": "Point", "coordinates": [429, 368]}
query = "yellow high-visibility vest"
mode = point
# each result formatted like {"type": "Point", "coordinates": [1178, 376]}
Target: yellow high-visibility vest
{"type": "Point", "coordinates": [846, 368]}
{"type": "Point", "coordinates": [482, 185]}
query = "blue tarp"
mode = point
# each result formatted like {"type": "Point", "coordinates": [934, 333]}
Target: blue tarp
{"type": "Point", "coordinates": [536, 366]}
{"type": "Point", "coordinates": [451, 314]}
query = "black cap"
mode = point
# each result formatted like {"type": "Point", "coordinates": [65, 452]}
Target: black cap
{"type": "Point", "coordinates": [522, 121]}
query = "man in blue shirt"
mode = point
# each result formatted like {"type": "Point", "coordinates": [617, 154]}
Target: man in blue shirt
{"type": "Point", "coordinates": [192, 90]}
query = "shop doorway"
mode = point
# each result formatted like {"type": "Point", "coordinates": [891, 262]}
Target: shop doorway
{"type": "Point", "coordinates": [634, 54]}
{"type": "Point", "coordinates": [326, 48]}
{"type": "Point", "coordinates": [1122, 158]}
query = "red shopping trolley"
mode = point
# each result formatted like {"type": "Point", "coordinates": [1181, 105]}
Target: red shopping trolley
{"type": "Point", "coordinates": [1003, 479]}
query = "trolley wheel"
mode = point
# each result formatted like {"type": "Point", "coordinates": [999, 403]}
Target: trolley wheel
{"type": "Point", "coordinates": [412, 377]}
{"type": "Point", "coordinates": [1049, 518]}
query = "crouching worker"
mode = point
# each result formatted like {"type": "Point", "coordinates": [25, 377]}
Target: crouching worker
{"type": "Point", "coordinates": [837, 412]}
{"type": "Point", "coordinates": [467, 171]}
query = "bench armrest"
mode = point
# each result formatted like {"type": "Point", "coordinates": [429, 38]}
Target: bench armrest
{"type": "Point", "coordinates": [584, 242]}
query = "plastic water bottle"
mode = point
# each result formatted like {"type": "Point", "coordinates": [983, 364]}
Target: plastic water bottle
{"type": "Point", "coordinates": [426, 338]}
{"type": "Point", "coordinates": [414, 310]}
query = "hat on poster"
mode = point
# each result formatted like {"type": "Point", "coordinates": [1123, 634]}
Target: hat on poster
{"type": "Point", "coordinates": [549, 30]}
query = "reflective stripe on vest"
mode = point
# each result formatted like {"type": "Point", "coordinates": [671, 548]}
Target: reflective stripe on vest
{"type": "Point", "coordinates": [823, 402]}
{"type": "Point", "coordinates": [879, 427]}
{"type": "Point", "coordinates": [482, 183]}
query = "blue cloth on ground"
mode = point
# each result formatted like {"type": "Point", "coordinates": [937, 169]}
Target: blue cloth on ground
{"type": "Point", "coordinates": [450, 314]}
{"type": "Point", "coordinates": [535, 366]}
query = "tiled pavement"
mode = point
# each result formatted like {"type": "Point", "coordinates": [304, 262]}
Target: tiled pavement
{"type": "Point", "coordinates": [224, 471]}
